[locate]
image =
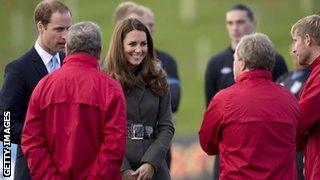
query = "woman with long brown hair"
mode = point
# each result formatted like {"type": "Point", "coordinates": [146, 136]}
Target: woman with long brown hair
{"type": "Point", "coordinates": [131, 61]}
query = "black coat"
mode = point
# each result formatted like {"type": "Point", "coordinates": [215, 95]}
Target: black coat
{"type": "Point", "coordinates": [294, 84]}
{"type": "Point", "coordinates": [147, 108]}
{"type": "Point", "coordinates": [20, 78]}
{"type": "Point", "coordinates": [170, 66]}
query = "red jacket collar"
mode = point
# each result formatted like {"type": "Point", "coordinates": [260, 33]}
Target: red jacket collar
{"type": "Point", "coordinates": [257, 73]}
{"type": "Point", "coordinates": [81, 58]}
{"type": "Point", "coordinates": [315, 63]}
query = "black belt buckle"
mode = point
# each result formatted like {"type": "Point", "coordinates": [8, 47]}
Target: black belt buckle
{"type": "Point", "coordinates": [137, 131]}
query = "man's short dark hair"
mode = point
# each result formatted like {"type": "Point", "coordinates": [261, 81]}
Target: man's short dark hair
{"type": "Point", "coordinates": [241, 7]}
{"type": "Point", "coordinates": [45, 9]}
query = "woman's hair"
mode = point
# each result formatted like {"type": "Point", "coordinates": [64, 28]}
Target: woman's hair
{"type": "Point", "coordinates": [117, 65]}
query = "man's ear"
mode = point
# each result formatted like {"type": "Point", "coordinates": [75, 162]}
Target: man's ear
{"type": "Point", "coordinates": [98, 53]}
{"type": "Point", "coordinates": [40, 27]}
{"type": "Point", "coordinates": [243, 64]}
{"type": "Point", "coordinates": [307, 40]}
{"type": "Point", "coordinates": [255, 23]}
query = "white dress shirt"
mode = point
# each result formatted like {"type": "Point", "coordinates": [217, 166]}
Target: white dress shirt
{"type": "Point", "coordinates": [45, 56]}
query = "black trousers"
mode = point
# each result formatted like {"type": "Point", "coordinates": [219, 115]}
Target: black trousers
{"type": "Point", "coordinates": [216, 167]}
{"type": "Point", "coordinates": [21, 170]}
{"type": "Point", "coordinates": [168, 158]}
{"type": "Point", "coordinates": [299, 163]}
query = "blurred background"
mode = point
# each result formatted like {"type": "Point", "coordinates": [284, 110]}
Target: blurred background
{"type": "Point", "coordinates": [190, 30]}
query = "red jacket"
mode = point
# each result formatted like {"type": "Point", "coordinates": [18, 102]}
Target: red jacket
{"type": "Point", "coordinates": [310, 124]}
{"type": "Point", "coordinates": [75, 126]}
{"type": "Point", "coordinates": [252, 125]}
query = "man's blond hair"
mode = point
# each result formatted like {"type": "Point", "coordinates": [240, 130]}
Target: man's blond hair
{"type": "Point", "coordinates": [125, 9]}
{"type": "Point", "coordinates": [308, 25]}
{"type": "Point", "coordinates": [146, 10]}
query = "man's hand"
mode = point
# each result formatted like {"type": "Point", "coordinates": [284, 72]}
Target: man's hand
{"type": "Point", "coordinates": [144, 172]}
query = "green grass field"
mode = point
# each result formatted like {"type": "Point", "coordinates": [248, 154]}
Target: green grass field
{"type": "Point", "coordinates": [190, 33]}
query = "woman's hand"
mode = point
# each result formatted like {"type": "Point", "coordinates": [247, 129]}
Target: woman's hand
{"type": "Point", "coordinates": [127, 175]}
{"type": "Point", "coordinates": [144, 172]}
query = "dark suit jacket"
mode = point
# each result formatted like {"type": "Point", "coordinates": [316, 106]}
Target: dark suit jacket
{"type": "Point", "coordinates": [170, 66]}
{"type": "Point", "coordinates": [294, 85]}
{"type": "Point", "coordinates": [20, 78]}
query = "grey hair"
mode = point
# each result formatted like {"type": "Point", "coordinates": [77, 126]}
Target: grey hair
{"type": "Point", "coordinates": [257, 51]}
{"type": "Point", "coordinates": [84, 37]}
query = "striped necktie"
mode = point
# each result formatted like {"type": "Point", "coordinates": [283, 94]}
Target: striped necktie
{"type": "Point", "coordinates": [54, 64]}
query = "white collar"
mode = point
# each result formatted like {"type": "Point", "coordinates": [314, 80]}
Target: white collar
{"type": "Point", "coordinates": [45, 56]}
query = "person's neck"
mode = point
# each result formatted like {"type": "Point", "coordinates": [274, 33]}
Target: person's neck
{"type": "Point", "coordinates": [234, 45]}
{"type": "Point", "coordinates": [314, 54]}
{"type": "Point", "coordinates": [45, 48]}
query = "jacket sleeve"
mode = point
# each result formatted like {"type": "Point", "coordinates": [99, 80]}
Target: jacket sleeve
{"type": "Point", "coordinates": [174, 84]}
{"type": "Point", "coordinates": [125, 165]}
{"type": "Point", "coordinates": [301, 137]}
{"type": "Point", "coordinates": [210, 81]}
{"type": "Point", "coordinates": [175, 91]}
{"type": "Point", "coordinates": [108, 162]}
{"type": "Point", "coordinates": [309, 110]}
{"type": "Point", "coordinates": [156, 153]}
{"type": "Point", "coordinates": [34, 143]}
{"type": "Point", "coordinates": [169, 64]}
{"type": "Point", "coordinates": [209, 131]}
{"type": "Point", "coordinates": [13, 98]}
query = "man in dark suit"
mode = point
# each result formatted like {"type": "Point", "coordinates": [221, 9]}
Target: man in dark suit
{"type": "Point", "coordinates": [53, 20]}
